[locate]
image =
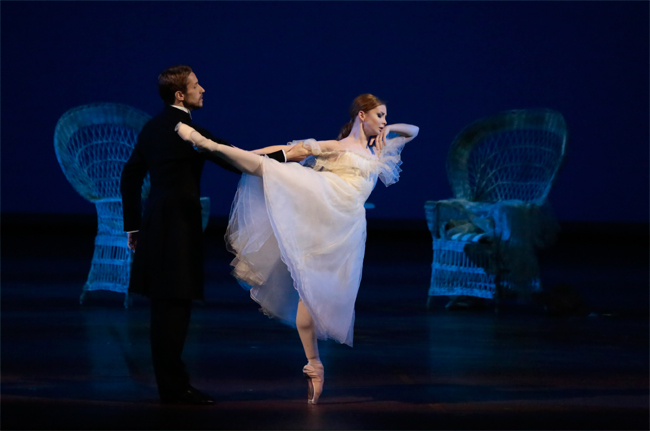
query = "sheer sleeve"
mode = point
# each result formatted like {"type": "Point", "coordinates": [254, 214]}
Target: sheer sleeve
{"type": "Point", "coordinates": [390, 160]}
{"type": "Point", "coordinates": [310, 144]}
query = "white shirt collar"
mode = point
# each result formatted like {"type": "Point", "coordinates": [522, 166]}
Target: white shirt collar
{"type": "Point", "coordinates": [182, 108]}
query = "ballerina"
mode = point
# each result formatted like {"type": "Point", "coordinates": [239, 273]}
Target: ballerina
{"type": "Point", "coordinates": [298, 231]}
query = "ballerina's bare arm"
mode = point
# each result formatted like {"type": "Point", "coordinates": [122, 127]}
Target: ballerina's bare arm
{"type": "Point", "coordinates": [327, 146]}
{"type": "Point", "coordinates": [293, 153]}
{"type": "Point", "coordinates": [408, 131]}
{"type": "Point", "coordinates": [270, 149]}
{"type": "Point", "coordinates": [299, 152]}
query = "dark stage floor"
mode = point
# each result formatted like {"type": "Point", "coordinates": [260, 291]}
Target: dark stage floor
{"type": "Point", "coordinates": [66, 366]}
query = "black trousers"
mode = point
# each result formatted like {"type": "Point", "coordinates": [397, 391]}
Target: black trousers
{"type": "Point", "coordinates": [170, 319]}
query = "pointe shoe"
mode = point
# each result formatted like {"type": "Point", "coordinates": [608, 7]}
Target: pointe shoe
{"type": "Point", "coordinates": [315, 375]}
{"type": "Point", "coordinates": [200, 142]}
{"type": "Point", "coordinates": [184, 131]}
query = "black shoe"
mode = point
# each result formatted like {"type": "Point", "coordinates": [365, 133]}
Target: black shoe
{"type": "Point", "coordinates": [190, 397]}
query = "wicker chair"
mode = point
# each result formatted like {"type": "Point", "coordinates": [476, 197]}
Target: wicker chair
{"type": "Point", "coordinates": [501, 170]}
{"type": "Point", "coordinates": [92, 144]}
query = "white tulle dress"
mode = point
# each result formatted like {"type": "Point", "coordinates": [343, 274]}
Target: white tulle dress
{"type": "Point", "coordinates": [299, 232]}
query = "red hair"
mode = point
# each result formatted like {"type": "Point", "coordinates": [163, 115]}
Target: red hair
{"type": "Point", "coordinates": [364, 102]}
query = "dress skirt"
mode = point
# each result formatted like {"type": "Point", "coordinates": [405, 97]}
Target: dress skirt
{"type": "Point", "coordinates": [299, 234]}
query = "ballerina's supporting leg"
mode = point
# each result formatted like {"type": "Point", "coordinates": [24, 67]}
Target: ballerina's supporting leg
{"type": "Point", "coordinates": [247, 162]}
{"type": "Point", "coordinates": [307, 332]}
{"type": "Point", "coordinates": [314, 370]}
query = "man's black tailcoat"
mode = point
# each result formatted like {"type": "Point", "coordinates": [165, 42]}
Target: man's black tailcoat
{"type": "Point", "coordinates": [168, 261]}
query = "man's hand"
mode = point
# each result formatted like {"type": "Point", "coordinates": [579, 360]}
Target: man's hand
{"type": "Point", "coordinates": [297, 153]}
{"type": "Point", "coordinates": [133, 240]}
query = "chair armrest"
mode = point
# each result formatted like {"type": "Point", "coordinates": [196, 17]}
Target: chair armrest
{"type": "Point", "coordinates": [439, 213]}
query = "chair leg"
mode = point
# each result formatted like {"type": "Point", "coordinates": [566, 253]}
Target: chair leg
{"type": "Point", "coordinates": [498, 306]}
{"type": "Point", "coordinates": [128, 300]}
{"type": "Point", "coordinates": [84, 294]}
{"type": "Point", "coordinates": [430, 303]}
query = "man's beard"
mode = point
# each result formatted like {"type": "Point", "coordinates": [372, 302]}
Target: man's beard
{"type": "Point", "coordinates": [193, 107]}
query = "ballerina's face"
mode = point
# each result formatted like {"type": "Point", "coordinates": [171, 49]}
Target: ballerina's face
{"type": "Point", "coordinates": [375, 120]}
{"type": "Point", "coordinates": [193, 96]}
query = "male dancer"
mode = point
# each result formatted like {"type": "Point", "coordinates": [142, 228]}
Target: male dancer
{"type": "Point", "coordinates": [167, 239]}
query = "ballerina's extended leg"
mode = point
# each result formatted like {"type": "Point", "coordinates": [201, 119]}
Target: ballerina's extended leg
{"type": "Point", "coordinates": [314, 371]}
{"type": "Point", "coordinates": [245, 161]}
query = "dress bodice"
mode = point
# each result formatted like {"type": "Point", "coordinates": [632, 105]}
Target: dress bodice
{"type": "Point", "coordinates": [356, 169]}
{"type": "Point", "coordinates": [360, 171]}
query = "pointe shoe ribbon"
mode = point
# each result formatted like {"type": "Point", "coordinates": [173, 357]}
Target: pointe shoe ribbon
{"type": "Point", "coordinates": [316, 376]}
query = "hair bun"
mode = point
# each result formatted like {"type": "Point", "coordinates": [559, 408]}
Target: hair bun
{"type": "Point", "coordinates": [364, 102]}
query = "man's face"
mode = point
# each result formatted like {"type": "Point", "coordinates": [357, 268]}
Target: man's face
{"type": "Point", "coordinates": [193, 96]}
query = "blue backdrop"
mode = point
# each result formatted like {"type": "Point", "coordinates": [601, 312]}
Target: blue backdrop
{"type": "Point", "coordinates": [279, 71]}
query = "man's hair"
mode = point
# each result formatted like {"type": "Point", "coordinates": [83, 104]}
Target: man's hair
{"type": "Point", "coordinates": [171, 80]}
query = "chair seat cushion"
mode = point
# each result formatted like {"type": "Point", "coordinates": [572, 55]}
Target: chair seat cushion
{"type": "Point", "coordinates": [465, 230]}
{"type": "Point", "coordinates": [482, 237]}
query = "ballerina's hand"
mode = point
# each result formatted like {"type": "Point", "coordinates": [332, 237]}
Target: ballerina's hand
{"type": "Point", "coordinates": [380, 140]}
{"type": "Point", "coordinates": [297, 153]}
